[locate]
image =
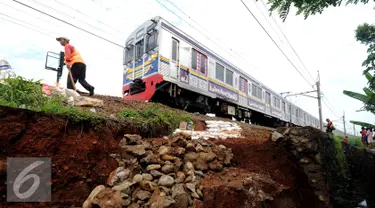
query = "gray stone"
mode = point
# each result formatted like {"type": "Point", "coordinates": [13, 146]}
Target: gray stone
{"type": "Point", "coordinates": [163, 150]}
{"type": "Point", "coordinates": [137, 178]}
{"type": "Point", "coordinates": [155, 173]}
{"type": "Point", "coordinates": [153, 167]}
{"type": "Point", "coordinates": [147, 177]}
{"type": "Point", "coordinates": [167, 168]}
{"type": "Point", "coordinates": [166, 181]}
{"type": "Point", "coordinates": [199, 148]}
{"type": "Point", "coordinates": [148, 185]}
{"type": "Point", "coordinates": [143, 195]}
{"type": "Point", "coordinates": [180, 177]}
{"type": "Point", "coordinates": [124, 186]}
{"type": "Point", "coordinates": [222, 147]}
{"type": "Point", "coordinates": [137, 150]}
{"type": "Point", "coordinates": [276, 136]}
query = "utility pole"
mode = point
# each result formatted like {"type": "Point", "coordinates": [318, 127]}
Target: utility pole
{"type": "Point", "coordinates": [319, 102]}
{"type": "Point", "coordinates": [354, 129]}
{"type": "Point", "coordinates": [319, 97]}
{"type": "Point", "coordinates": [343, 120]}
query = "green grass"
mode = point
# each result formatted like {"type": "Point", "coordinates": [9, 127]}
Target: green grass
{"type": "Point", "coordinates": [156, 115]}
{"type": "Point", "coordinates": [20, 92]}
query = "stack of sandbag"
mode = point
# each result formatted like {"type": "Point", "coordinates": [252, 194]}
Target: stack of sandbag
{"type": "Point", "coordinates": [72, 96]}
{"type": "Point", "coordinates": [215, 130]}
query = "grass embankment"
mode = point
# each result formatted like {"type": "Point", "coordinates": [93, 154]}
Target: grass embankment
{"type": "Point", "coordinates": [22, 93]}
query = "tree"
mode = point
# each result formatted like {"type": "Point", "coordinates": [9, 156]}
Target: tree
{"type": "Point", "coordinates": [308, 7]}
{"type": "Point", "coordinates": [366, 35]}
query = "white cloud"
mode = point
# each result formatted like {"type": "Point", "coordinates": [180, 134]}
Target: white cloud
{"type": "Point", "coordinates": [324, 42]}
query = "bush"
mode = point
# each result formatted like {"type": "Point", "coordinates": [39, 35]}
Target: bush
{"type": "Point", "coordinates": [156, 115]}
{"type": "Point", "coordinates": [20, 92]}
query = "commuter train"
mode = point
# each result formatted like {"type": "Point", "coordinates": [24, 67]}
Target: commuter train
{"type": "Point", "coordinates": [164, 64]}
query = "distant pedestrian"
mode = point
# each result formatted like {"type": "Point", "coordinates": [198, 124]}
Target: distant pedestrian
{"type": "Point", "coordinates": [329, 126]}
{"type": "Point", "coordinates": [364, 135]}
{"type": "Point", "coordinates": [75, 63]}
{"type": "Point", "coordinates": [369, 136]}
{"type": "Point", "coordinates": [346, 140]}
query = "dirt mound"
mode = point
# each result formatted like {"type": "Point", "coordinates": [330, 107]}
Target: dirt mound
{"type": "Point", "coordinates": [266, 158]}
{"type": "Point", "coordinates": [237, 187]}
{"type": "Point", "coordinates": [79, 151]}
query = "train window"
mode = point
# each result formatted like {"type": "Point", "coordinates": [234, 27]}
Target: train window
{"type": "Point", "coordinates": [274, 101]}
{"type": "Point", "coordinates": [203, 63]}
{"type": "Point", "coordinates": [139, 49]}
{"type": "Point", "coordinates": [268, 98]}
{"type": "Point", "coordinates": [229, 77]}
{"type": "Point", "coordinates": [259, 93]}
{"type": "Point", "coordinates": [254, 91]}
{"type": "Point", "coordinates": [283, 106]}
{"type": "Point", "coordinates": [129, 53]}
{"type": "Point", "coordinates": [194, 59]}
{"type": "Point", "coordinates": [297, 114]}
{"type": "Point", "coordinates": [152, 41]}
{"type": "Point", "coordinates": [243, 85]}
{"type": "Point", "coordinates": [219, 72]}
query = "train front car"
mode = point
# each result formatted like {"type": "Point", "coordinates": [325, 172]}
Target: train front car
{"type": "Point", "coordinates": [141, 62]}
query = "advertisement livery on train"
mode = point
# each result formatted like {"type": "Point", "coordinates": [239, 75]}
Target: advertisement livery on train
{"type": "Point", "coordinates": [164, 64]}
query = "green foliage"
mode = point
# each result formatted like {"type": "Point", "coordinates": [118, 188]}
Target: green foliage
{"type": "Point", "coordinates": [20, 92]}
{"type": "Point", "coordinates": [156, 115]}
{"type": "Point", "coordinates": [307, 8]}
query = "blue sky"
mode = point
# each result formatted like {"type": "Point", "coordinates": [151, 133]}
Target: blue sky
{"type": "Point", "coordinates": [324, 42]}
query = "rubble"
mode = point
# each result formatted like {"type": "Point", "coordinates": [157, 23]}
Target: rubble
{"type": "Point", "coordinates": [214, 130]}
{"type": "Point", "coordinates": [160, 172]}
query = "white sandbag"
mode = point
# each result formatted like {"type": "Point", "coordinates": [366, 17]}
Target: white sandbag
{"type": "Point", "coordinates": [72, 93]}
{"type": "Point", "coordinates": [88, 102]}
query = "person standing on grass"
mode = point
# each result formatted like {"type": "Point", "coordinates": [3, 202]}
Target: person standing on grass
{"type": "Point", "coordinates": [364, 136]}
{"type": "Point", "coordinates": [75, 63]}
{"type": "Point", "coordinates": [369, 136]}
{"type": "Point", "coordinates": [346, 140]}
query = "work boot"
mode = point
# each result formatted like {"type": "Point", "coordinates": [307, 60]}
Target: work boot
{"type": "Point", "coordinates": [92, 91]}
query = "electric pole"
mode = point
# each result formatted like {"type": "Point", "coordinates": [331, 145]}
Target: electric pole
{"type": "Point", "coordinates": [319, 102]}
{"type": "Point", "coordinates": [354, 129]}
{"type": "Point", "coordinates": [343, 120]}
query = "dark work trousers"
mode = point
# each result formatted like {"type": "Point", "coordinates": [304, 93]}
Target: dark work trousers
{"type": "Point", "coordinates": [79, 73]}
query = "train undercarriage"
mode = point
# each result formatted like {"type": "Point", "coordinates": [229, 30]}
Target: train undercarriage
{"type": "Point", "coordinates": [172, 95]}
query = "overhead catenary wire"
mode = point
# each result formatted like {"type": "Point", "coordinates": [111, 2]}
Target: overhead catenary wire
{"type": "Point", "coordinates": [61, 20]}
{"type": "Point", "coordinates": [204, 28]}
{"type": "Point", "coordinates": [72, 17]}
{"type": "Point", "coordinates": [260, 24]}
{"type": "Point", "coordinates": [25, 26]}
{"type": "Point", "coordinates": [163, 5]}
{"type": "Point", "coordinates": [287, 40]}
{"type": "Point", "coordinates": [114, 29]}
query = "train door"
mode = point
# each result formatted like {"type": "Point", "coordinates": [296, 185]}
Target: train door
{"type": "Point", "coordinates": [268, 102]}
{"type": "Point", "coordinates": [175, 58]}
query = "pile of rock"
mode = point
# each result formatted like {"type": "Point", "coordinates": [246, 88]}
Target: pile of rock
{"type": "Point", "coordinates": [159, 173]}
{"type": "Point", "coordinates": [305, 145]}
{"type": "Point", "coordinates": [215, 130]}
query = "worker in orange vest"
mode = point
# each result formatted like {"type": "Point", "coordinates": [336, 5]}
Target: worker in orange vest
{"type": "Point", "coordinates": [75, 63]}
{"type": "Point", "coordinates": [329, 126]}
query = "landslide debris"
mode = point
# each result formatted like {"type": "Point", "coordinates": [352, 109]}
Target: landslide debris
{"type": "Point", "coordinates": [311, 149]}
{"type": "Point", "coordinates": [165, 172]}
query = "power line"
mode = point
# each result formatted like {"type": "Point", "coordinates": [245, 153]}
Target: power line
{"type": "Point", "coordinates": [276, 43]}
{"type": "Point", "coordinates": [277, 24]}
{"type": "Point", "coordinates": [59, 11]}
{"type": "Point", "coordinates": [114, 29]}
{"type": "Point", "coordinates": [26, 27]}
{"type": "Point", "coordinates": [174, 5]}
{"type": "Point", "coordinates": [105, 39]}
{"type": "Point", "coordinates": [194, 27]}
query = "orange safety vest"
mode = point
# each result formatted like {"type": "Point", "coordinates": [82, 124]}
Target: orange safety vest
{"type": "Point", "coordinates": [76, 58]}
